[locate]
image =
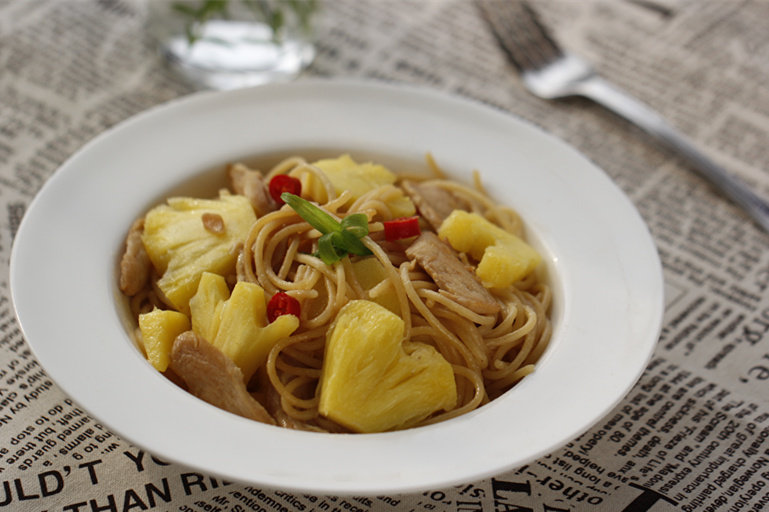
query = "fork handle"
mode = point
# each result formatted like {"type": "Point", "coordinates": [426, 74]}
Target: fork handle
{"type": "Point", "coordinates": [609, 96]}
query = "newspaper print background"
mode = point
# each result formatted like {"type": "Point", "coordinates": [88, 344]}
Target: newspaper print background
{"type": "Point", "coordinates": [691, 436]}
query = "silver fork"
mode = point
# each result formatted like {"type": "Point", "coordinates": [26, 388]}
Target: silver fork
{"type": "Point", "coordinates": [549, 72]}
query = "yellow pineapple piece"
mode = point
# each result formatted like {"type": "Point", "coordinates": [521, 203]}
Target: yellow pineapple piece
{"type": "Point", "coordinates": [401, 205]}
{"type": "Point", "coordinates": [244, 334]}
{"type": "Point", "coordinates": [159, 329]}
{"type": "Point", "coordinates": [206, 305]}
{"type": "Point", "coordinates": [503, 257]}
{"type": "Point", "coordinates": [370, 272]}
{"type": "Point", "coordinates": [373, 381]}
{"type": "Point", "coordinates": [344, 173]}
{"type": "Point", "coordinates": [236, 323]}
{"type": "Point", "coordinates": [181, 248]}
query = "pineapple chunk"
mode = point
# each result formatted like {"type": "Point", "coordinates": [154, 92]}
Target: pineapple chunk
{"type": "Point", "coordinates": [244, 334]}
{"type": "Point", "coordinates": [372, 381]}
{"type": "Point", "coordinates": [503, 257]}
{"type": "Point", "coordinates": [206, 305]}
{"type": "Point", "coordinates": [237, 324]}
{"type": "Point", "coordinates": [181, 248]}
{"type": "Point", "coordinates": [401, 205]}
{"type": "Point", "coordinates": [344, 173]}
{"type": "Point", "coordinates": [370, 272]}
{"type": "Point", "coordinates": [159, 329]}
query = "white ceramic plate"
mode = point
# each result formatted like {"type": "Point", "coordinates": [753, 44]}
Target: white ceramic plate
{"type": "Point", "coordinates": [602, 261]}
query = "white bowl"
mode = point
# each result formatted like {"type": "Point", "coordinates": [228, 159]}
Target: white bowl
{"type": "Point", "coordinates": [602, 262]}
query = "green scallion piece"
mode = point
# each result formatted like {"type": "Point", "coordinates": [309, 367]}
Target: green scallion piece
{"type": "Point", "coordinates": [339, 239]}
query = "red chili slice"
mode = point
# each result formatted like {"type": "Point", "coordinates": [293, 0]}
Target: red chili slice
{"type": "Point", "coordinates": [398, 229]}
{"type": "Point", "coordinates": [282, 304]}
{"type": "Point", "coordinates": [284, 183]}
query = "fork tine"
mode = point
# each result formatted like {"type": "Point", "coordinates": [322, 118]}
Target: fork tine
{"type": "Point", "coordinates": [520, 33]}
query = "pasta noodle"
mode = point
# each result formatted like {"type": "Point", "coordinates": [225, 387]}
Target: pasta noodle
{"type": "Point", "coordinates": [488, 352]}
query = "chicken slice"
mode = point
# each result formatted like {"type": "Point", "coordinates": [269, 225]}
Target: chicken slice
{"type": "Point", "coordinates": [433, 202]}
{"type": "Point", "coordinates": [441, 262]}
{"type": "Point", "coordinates": [135, 266]}
{"type": "Point", "coordinates": [213, 377]}
{"type": "Point", "coordinates": [250, 183]}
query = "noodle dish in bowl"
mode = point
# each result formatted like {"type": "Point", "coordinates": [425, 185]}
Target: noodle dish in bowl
{"type": "Point", "coordinates": [337, 296]}
{"type": "Point", "coordinates": [361, 288]}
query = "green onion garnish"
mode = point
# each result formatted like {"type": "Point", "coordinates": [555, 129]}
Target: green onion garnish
{"type": "Point", "coordinates": [339, 239]}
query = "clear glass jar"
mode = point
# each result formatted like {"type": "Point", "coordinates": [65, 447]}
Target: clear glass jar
{"type": "Point", "coordinates": [226, 44]}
